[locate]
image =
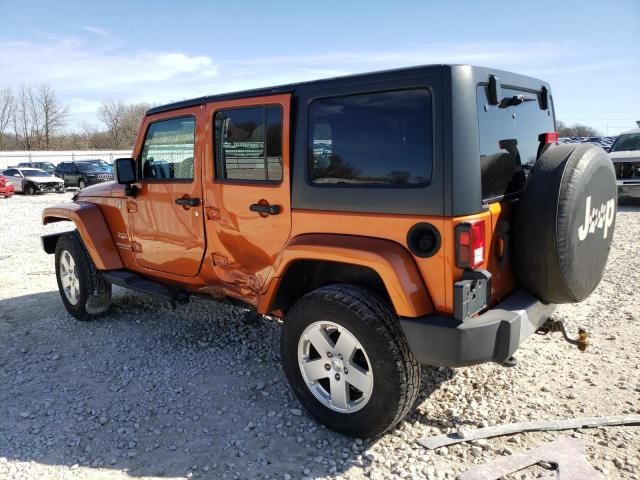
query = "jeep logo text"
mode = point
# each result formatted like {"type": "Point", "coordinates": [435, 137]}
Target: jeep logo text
{"type": "Point", "coordinates": [601, 217]}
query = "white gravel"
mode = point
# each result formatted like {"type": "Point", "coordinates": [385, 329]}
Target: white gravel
{"type": "Point", "coordinates": [147, 392]}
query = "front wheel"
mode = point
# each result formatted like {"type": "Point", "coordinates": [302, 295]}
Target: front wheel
{"type": "Point", "coordinates": [81, 184]}
{"type": "Point", "coordinates": [347, 360]}
{"type": "Point", "coordinates": [29, 189]}
{"type": "Point", "coordinates": [83, 291]}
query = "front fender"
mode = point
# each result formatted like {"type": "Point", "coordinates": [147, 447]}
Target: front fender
{"type": "Point", "coordinates": [391, 261]}
{"type": "Point", "coordinates": [92, 228]}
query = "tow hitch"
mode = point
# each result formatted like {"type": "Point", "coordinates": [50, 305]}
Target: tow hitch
{"type": "Point", "coordinates": [554, 325]}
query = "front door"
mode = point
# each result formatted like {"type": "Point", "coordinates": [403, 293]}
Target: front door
{"type": "Point", "coordinates": [247, 190]}
{"type": "Point", "coordinates": [167, 230]}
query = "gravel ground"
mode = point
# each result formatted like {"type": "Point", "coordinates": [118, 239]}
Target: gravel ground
{"type": "Point", "coordinates": [147, 392]}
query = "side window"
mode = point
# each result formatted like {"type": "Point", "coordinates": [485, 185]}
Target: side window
{"type": "Point", "coordinates": [168, 150]}
{"type": "Point", "coordinates": [381, 138]}
{"type": "Point", "coordinates": [248, 144]}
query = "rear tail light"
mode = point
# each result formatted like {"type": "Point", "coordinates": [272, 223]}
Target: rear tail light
{"type": "Point", "coordinates": [545, 140]}
{"type": "Point", "coordinates": [470, 245]}
{"type": "Point", "coordinates": [548, 137]}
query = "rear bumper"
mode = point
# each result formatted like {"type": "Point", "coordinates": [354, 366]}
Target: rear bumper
{"type": "Point", "coordinates": [491, 337]}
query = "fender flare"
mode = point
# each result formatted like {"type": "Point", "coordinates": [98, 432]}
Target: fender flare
{"type": "Point", "coordinates": [92, 228]}
{"type": "Point", "coordinates": [391, 261]}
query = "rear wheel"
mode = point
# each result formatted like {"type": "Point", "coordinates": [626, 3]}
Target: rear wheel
{"type": "Point", "coordinates": [83, 291]}
{"type": "Point", "coordinates": [347, 360]}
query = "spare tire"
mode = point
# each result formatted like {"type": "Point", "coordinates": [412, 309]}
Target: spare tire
{"type": "Point", "coordinates": [564, 222]}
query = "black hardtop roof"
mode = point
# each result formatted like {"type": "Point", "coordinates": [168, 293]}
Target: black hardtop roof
{"type": "Point", "coordinates": [288, 88]}
{"type": "Point", "coordinates": [376, 75]}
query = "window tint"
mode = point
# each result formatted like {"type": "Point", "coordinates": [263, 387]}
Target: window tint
{"type": "Point", "coordinates": [377, 138]}
{"type": "Point", "coordinates": [509, 141]}
{"type": "Point", "coordinates": [12, 172]}
{"type": "Point", "coordinates": [168, 150]}
{"type": "Point", "coordinates": [248, 144]}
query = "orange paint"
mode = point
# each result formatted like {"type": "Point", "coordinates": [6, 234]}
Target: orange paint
{"type": "Point", "coordinates": [222, 248]}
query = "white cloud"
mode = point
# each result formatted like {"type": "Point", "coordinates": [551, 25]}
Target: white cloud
{"type": "Point", "coordinates": [86, 70]}
{"type": "Point", "coordinates": [96, 30]}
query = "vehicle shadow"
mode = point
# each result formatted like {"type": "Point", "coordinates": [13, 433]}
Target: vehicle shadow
{"type": "Point", "coordinates": [157, 392]}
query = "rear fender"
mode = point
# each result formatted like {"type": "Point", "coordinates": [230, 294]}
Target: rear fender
{"type": "Point", "coordinates": [392, 262]}
{"type": "Point", "coordinates": [92, 228]}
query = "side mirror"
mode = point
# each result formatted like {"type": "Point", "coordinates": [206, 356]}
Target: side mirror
{"type": "Point", "coordinates": [125, 170]}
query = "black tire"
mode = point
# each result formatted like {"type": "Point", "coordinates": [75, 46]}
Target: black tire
{"type": "Point", "coordinates": [395, 372]}
{"type": "Point", "coordinates": [564, 223]}
{"type": "Point", "coordinates": [29, 189]}
{"type": "Point", "coordinates": [94, 293]}
{"type": "Point", "coordinates": [82, 184]}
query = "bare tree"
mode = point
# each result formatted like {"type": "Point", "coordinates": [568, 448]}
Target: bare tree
{"type": "Point", "coordinates": [51, 114]}
{"type": "Point", "coordinates": [23, 119]}
{"type": "Point", "coordinates": [7, 104]}
{"type": "Point", "coordinates": [112, 113]}
{"type": "Point", "coordinates": [134, 113]}
{"type": "Point", "coordinates": [576, 130]}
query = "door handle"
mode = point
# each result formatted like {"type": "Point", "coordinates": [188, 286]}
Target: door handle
{"type": "Point", "coordinates": [265, 209]}
{"type": "Point", "coordinates": [188, 202]}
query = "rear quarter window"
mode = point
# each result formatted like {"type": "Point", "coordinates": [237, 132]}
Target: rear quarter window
{"type": "Point", "coordinates": [379, 139]}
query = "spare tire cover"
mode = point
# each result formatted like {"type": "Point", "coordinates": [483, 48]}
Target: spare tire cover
{"type": "Point", "coordinates": [564, 223]}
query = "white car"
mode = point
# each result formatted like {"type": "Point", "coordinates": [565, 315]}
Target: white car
{"type": "Point", "coordinates": [625, 155]}
{"type": "Point", "coordinates": [33, 180]}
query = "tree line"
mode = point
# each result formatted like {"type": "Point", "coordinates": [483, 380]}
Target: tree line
{"type": "Point", "coordinates": [34, 118]}
{"type": "Point", "coordinates": [576, 130]}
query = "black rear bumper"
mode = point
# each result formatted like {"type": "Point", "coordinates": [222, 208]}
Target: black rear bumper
{"type": "Point", "coordinates": [491, 337]}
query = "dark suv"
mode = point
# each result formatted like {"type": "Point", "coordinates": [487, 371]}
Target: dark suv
{"type": "Point", "coordinates": [82, 173]}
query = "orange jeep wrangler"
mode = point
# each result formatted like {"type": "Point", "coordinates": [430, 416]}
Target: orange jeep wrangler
{"type": "Point", "coordinates": [392, 219]}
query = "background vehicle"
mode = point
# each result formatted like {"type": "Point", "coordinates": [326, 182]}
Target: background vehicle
{"type": "Point", "coordinates": [6, 188]}
{"type": "Point", "coordinates": [46, 166]}
{"type": "Point", "coordinates": [33, 180]}
{"type": "Point", "coordinates": [82, 174]}
{"type": "Point", "coordinates": [392, 219]}
{"type": "Point", "coordinates": [99, 163]}
{"type": "Point", "coordinates": [625, 155]}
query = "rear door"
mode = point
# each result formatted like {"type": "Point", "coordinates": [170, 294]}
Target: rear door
{"type": "Point", "coordinates": [247, 189]}
{"type": "Point", "coordinates": [509, 143]}
{"type": "Point", "coordinates": [166, 215]}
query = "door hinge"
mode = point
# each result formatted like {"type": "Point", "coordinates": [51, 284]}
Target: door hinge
{"type": "Point", "coordinates": [219, 259]}
{"type": "Point", "coordinates": [136, 247]}
{"type": "Point", "coordinates": [132, 207]}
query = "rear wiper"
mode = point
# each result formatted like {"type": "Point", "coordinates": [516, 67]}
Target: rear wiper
{"type": "Point", "coordinates": [515, 100]}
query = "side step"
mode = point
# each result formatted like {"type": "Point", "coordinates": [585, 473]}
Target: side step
{"type": "Point", "coordinates": [133, 281]}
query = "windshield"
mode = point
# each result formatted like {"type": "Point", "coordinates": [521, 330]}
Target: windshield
{"type": "Point", "coordinates": [35, 173]}
{"type": "Point", "coordinates": [626, 143]}
{"type": "Point", "coordinates": [87, 166]}
{"type": "Point", "coordinates": [98, 163]}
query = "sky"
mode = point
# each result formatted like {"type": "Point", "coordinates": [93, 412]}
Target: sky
{"type": "Point", "coordinates": [161, 51]}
